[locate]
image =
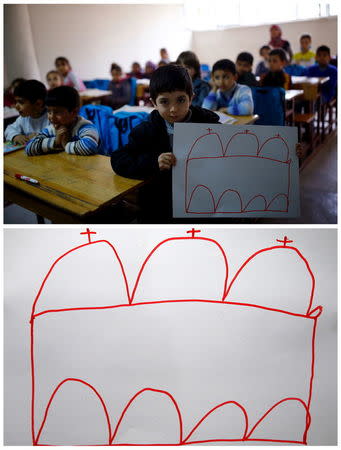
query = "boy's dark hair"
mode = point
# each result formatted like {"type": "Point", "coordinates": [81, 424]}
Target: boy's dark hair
{"type": "Point", "coordinates": [191, 60]}
{"type": "Point", "coordinates": [226, 65]}
{"type": "Point", "coordinates": [56, 72]}
{"type": "Point", "coordinates": [115, 66]}
{"type": "Point", "coordinates": [61, 59]}
{"type": "Point", "coordinates": [65, 96]}
{"type": "Point", "coordinates": [323, 48]}
{"type": "Point", "coordinates": [305, 36]}
{"type": "Point", "coordinates": [264, 47]}
{"type": "Point", "coordinates": [170, 78]}
{"type": "Point", "coordinates": [31, 90]}
{"type": "Point", "coordinates": [245, 57]}
{"type": "Point", "coordinates": [279, 52]}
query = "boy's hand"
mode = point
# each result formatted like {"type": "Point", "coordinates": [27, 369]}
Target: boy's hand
{"type": "Point", "coordinates": [32, 135]}
{"type": "Point", "coordinates": [20, 139]}
{"type": "Point", "coordinates": [299, 150]}
{"type": "Point", "coordinates": [166, 161]}
{"type": "Point", "coordinates": [62, 137]}
{"type": "Point", "coordinates": [223, 109]}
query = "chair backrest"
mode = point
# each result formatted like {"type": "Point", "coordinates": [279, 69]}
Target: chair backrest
{"type": "Point", "coordinates": [205, 72]}
{"type": "Point", "coordinates": [102, 84]}
{"type": "Point", "coordinates": [98, 83]}
{"type": "Point", "coordinates": [295, 70]}
{"type": "Point", "coordinates": [114, 129]}
{"type": "Point", "coordinates": [90, 84]}
{"type": "Point", "coordinates": [269, 104]}
{"type": "Point", "coordinates": [124, 122]}
{"type": "Point", "coordinates": [132, 100]}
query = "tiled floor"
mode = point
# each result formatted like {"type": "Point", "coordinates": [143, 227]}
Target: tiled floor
{"type": "Point", "coordinates": [318, 192]}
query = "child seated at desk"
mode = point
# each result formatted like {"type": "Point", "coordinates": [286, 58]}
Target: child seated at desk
{"type": "Point", "coordinates": [54, 79]}
{"type": "Point", "coordinates": [276, 77]}
{"type": "Point", "coordinates": [136, 71]}
{"type": "Point", "coordinates": [201, 88]}
{"type": "Point", "coordinates": [228, 96]}
{"type": "Point", "coordinates": [244, 69]}
{"type": "Point", "coordinates": [120, 88]}
{"type": "Point", "coordinates": [263, 66]}
{"type": "Point", "coordinates": [306, 57]}
{"type": "Point", "coordinates": [69, 77]}
{"type": "Point", "coordinates": [30, 103]}
{"type": "Point", "coordinates": [68, 131]}
{"type": "Point", "coordinates": [148, 153]}
{"type": "Point", "coordinates": [9, 92]}
{"type": "Point", "coordinates": [323, 68]}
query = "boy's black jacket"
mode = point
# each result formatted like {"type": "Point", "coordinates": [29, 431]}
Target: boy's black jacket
{"type": "Point", "coordinates": [139, 158]}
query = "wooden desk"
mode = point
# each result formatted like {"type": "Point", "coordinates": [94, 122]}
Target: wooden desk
{"type": "Point", "coordinates": [290, 96]}
{"type": "Point", "coordinates": [245, 120]}
{"type": "Point", "coordinates": [91, 95]}
{"type": "Point", "coordinates": [310, 86]}
{"type": "Point", "coordinates": [72, 188]}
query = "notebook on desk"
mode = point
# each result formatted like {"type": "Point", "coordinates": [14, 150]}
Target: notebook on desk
{"type": "Point", "coordinates": [11, 147]}
{"type": "Point", "coordinates": [224, 118]}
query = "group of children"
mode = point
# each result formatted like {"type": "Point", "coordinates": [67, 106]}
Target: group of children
{"type": "Point", "coordinates": [49, 120]}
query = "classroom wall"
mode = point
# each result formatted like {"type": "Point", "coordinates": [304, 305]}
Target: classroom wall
{"type": "Point", "coordinates": [19, 52]}
{"type": "Point", "coordinates": [213, 45]}
{"type": "Point", "coordinates": [94, 36]}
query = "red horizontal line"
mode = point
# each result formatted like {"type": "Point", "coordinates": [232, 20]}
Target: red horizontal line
{"type": "Point", "coordinates": [240, 156]}
{"type": "Point", "coordinates": [172, 301]}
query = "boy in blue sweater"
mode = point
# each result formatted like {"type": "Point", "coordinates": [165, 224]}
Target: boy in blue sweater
{"type": "Point", "coordinates": [323, 68]}
{"type": "Point", "coordinates": [68, 131]}
{"type": "Point", "coordinates": [227, 96]}
{"type": "Point", "coordinates": [29, 99]}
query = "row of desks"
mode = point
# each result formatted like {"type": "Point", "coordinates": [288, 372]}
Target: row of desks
{"type": "Point", "coordinates": [72, 189]}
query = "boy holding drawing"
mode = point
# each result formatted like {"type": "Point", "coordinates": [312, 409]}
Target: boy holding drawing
{"type": "Point", "coordinates": [148, 153]}
{"type": "Point", "coordinates": [227, 95]}
{"type": "Point", "coordinates": [68, 131]}
{"type": "Point", "coordinates": [29, 99]}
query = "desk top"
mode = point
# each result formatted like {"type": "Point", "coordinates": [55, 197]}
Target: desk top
{"type": "Point", "coordinates": [308, 80]}
{"type": "Point", "coordinates": [245, 120]}
{"type": "Point", "coordinates": [77, 185]}
{"type": "Point", "coordinates": [10, 112]}
{"type": "Point", "coordinates": [293, 93]}
{"type": "Point", "coordinates": [94, 93]}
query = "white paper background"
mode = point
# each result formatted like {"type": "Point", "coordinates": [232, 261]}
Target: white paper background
{"type": "Point", "coordinates": [248, 176]}
{"type": "Point", "coordinates": [180, 348]}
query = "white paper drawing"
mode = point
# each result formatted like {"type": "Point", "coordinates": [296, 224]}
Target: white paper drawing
{"type": "Point", "coordinates": [235, 171]}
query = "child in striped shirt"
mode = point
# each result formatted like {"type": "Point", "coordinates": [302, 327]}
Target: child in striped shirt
{"type": "Point", "coordinates": [227, 95]}
{"type": "Point", "coordinates": [68, 131]}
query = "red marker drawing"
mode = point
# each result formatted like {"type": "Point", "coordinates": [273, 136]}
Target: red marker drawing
{"type": "Point", "coordinates": [24, 178]}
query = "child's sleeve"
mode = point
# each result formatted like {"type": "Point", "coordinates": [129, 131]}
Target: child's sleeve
{"type": "Point", "coordinates": [211, 101]}
{"type": "Point", "coordinates": [136, 159]}
{"type": "Point", "coordinates": [14, 129]}
{"type": "Point", "coordinates": [87, 142]}
{"type": "Point", "coordinates": [76, 82]}
{"type": "Point", "coordinates": [42, 143]}
{"type": "Point", "coordinates": [244, 103]}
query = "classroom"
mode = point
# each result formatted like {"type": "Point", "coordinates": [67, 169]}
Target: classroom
{"type": "Point", "coordinates": [109, 52]}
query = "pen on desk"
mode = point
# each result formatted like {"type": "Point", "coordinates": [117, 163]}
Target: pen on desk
{"type": "Point", "coordinates": [24, 178]}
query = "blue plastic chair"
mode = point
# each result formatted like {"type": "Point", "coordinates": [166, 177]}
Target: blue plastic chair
{"type": "Point", "coordinates": [269, 104]}
{"type": "Point", "coordinates": [97, 83]}
{"type": "Point", "coordinates": [132, 101]}
{"type": "Point", "coordinates": [295, 70]}
{"type": "Point", "coordinates": [205, 72]}
{"type": "Point", "coordinates": [114, 129]}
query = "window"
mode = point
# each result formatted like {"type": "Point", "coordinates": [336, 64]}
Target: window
{"type": "Point", "coordinates": [219, 14]}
